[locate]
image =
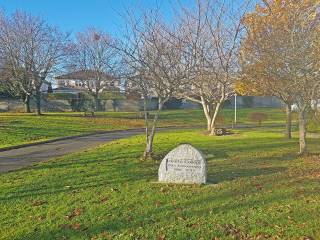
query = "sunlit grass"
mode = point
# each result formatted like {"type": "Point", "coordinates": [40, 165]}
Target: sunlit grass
{"type": "Point", "coordinates": [258, 188]}
{"type": "Point", "coordinates": [20, 128]}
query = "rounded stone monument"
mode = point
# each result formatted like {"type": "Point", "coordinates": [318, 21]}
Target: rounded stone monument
{"type": "Point", "coordinates": [184, 164]}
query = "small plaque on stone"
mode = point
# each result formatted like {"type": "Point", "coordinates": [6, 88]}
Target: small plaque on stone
{"type": "Point", "coordinates": [184, 164]}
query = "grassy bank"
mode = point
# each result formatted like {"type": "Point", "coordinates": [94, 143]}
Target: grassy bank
{"type": "Point", "coordinates": [259, 188]}
{"type": "Point", "coordinates": [25, 128]}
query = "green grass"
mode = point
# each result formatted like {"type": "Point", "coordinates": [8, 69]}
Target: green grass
{"type": "Point", "coordinates": [259, 188]}
{"type": "Point", "coordinates": [275, 115]}
{"type": "Point", "coordinates": [18, 129]}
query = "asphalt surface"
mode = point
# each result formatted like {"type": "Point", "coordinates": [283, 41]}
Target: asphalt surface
{"type": "Point", "coordinates": [25, 156]}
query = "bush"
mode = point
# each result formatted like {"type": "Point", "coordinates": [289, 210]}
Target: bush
{"type": "Point", "coordinates": [111, 96]}
{"type": "Point", "coordinates": [60, 96]}
{"type": "Point", "coordinates": [258, 117]}
{"type": "Point", "coordinates": [173, 103]}
{"type": "Point", "coordinates": [4, 93]}
{"type": "Point", "coordinates": [314, 122]}
{"type": "Point", "coordinates": [83, 102]}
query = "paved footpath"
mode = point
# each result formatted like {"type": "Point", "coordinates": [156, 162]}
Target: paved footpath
{"type": "Point", "coordinates": [25, 156]}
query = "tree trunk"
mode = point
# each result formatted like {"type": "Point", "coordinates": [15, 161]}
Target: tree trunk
{"type": "Point", "coordinates": [214, 119]}
{"type": "Point", "coordinates": [38, 102]}
{"type": "Point", "coordinates": [289, 121]}
{"type": "Point", "coordinates": [96, 102]}
{"type": "Point", "coordinates": [206, 110]}
{"type": "Point", "coordinates": [27, 104]}
{"type": "Point", "coordinates": [302, 132]}
{"type": "Point", "coordinates": [145, 111]}
{"type": "Point", "coordinates": [149, 146]}
{"type": "Point", "coordinates": [150, 135]}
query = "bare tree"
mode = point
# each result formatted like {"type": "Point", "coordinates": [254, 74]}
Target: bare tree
{"type": "Point", "coordinates": [17, 83]}
{"type": "Point", "coordinates": [212, 33]}
{"type": "Point", "coordinates": [155, 68]}
{"type": "Point", "coordinates": [95, 54]}
{"type": "Point", "coordinates": [32, 50]}
{"type": "Point", "coordinates": [15, 75]}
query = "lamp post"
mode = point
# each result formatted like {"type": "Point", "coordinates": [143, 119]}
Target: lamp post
{"type": "Point", "coordinates": [235, 109]}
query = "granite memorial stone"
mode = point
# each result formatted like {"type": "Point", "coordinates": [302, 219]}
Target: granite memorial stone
{"type": "Point", "coordinates": [184, 164]}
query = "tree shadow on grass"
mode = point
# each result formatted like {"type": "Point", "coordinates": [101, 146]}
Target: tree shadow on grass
{"type": "Point", "coordinates": [59, 162]}
{"type": "Point", "coordinates": [148, 218]}
{"type": "Point", "coordinates": [233, 174]}
{"type": "Point", "coordinates": [69, 187]}
{"type": "Point", "coordinates": [107, 175]}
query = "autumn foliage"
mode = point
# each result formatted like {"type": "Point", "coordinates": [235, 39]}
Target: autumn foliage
{"type": "Point", "coordinates": [280, 55]}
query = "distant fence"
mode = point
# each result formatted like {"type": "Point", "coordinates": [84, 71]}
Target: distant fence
{"type": "Point", "coordinates": [76, 104]}
{"type": "Point", "coordinates": [62, 104]}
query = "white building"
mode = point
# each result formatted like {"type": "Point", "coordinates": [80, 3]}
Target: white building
{"type": "Point", "coordinates": [82, 80]}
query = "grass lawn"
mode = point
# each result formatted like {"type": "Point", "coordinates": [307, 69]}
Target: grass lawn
{"type": "Point", "coordinates": [259, 189]}
{"type": "Point", "coordinates": [18, 129]}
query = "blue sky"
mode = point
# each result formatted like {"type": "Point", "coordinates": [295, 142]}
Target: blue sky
{"type": "Point", "coordinates": [76, 15]}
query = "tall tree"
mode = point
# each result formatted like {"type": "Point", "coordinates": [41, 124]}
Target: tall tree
{"type": "Point", "coordinates": [254, 81]}
{"type": "Point", "coordinates": [32, 50]}
{"type": "Point", "coordinates": [280, 54]}
{"type": "Point", "coordinates": [94, 53]}
{"type": "Point", "coordinates": [18, 83]}
{"type": "Point", "coordinates": [15, 75]}
{"type": "Point", "coordinates": [155, 66]}
{"type": "Point", "coordinates": [212, 32]}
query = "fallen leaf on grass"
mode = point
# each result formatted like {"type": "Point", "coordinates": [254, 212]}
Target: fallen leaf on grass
{"type": "Point", "coordinates": [104, 199]}
{"type": "Point", "coordinates": [41, 218]}
{"type": "Point", "coordinates": [192, 225]}
{"type": "Point", "coordinates": [307, 238]}
{"type": "Point", "coordinates": [235, 232]}
{"type": "Point", "coordinates": [38, 203]}
{"type": "Point", "coordinates": [74, 213]}
{"type": "Point", "coordinates": [74, 226]}
{"type": "Point", "coordinates": [163, 190]}
{"type": "Point", "coordinates": [129, 219]}
{"type": "Point", "coordinates": [162, 237]}
{"type": "Point", "coordinates": [178, 209]}
{"type": "Point", "coordinates": [103, 235]}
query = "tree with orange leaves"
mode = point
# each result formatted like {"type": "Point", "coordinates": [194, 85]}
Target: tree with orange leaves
{"type": "Point", "coordinates": [280, 55]}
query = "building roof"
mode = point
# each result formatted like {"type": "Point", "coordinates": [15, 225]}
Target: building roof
{"type": "Point", "coordinates": [84, 75]}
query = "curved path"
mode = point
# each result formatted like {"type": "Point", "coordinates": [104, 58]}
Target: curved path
{"type": "Point", "coordinates": [25, 156]}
